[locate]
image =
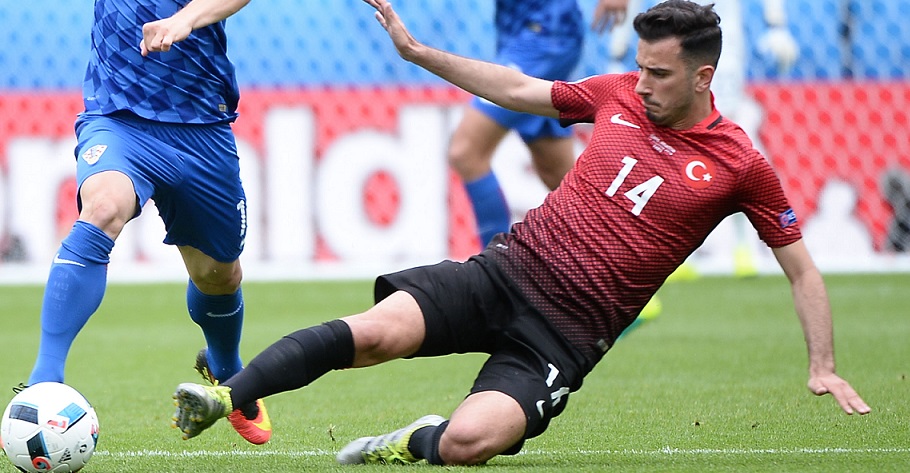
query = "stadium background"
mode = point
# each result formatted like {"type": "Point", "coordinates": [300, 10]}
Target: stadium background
{"type": "Point", "coordinates": [343, 143]}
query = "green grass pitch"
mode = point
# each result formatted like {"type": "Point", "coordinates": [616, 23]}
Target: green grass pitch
{"type": "Point", "coordinates": [716, 383]}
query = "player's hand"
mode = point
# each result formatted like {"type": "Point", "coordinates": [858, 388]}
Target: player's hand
{"type": "Point", "coordinates": [159, 36]}
{"type": "Point", "coordinates": [393, 25]}
{"type": "Point", "coordinates": [832, 384]}
{"type": "Point", "coordinates": [608, 14]}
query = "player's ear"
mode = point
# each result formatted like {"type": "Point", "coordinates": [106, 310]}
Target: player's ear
{"type": "Point", "coordinates": [703, 77]}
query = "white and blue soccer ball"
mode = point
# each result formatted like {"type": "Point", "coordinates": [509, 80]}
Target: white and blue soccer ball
{"type": "Point", "coordinates": [49, 427]}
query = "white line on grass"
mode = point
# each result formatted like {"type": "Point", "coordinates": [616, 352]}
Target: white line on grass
{"type": "Point", "coordinates": [730, 451]}
{"type": "Point", "coordinates": [666, 451]}
{"type": "Point", "coordinates": [212, 453]}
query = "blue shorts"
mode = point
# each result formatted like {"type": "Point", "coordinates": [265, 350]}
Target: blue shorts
{"type": "Point", "coordinates": [546, 60]}
{"type": "Point", "coordinates": [191, 172]}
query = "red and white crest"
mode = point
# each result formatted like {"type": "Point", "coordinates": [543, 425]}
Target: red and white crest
{"type": "Point", "coordinates": [698, 172]}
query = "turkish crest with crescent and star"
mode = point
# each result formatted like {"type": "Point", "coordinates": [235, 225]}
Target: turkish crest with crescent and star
{"type": "Point", "coordinates": [698, 172]}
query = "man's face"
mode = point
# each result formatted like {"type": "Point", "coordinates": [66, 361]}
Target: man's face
{"type": "Point", "coordinates": [666, 85]}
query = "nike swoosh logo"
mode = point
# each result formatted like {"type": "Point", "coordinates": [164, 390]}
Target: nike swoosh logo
{"type": "Point", "coordinates": [619, 121]}
{"type": "Point", "coordinates": [59, 260]}
{"type": "Point", "coordinates": [211, 314]}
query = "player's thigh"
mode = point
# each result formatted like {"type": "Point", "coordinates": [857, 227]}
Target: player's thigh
{"type": "Point", "coordinates": [552, 157]}
{"type": "Point", "coordinates": [391, 329]}
{"type": "Point", "coordinates": [118, 168]}
{"type": "Point", "coordinates": [462, 307]}
{"type": "Point", "coordinates": [107, 200]}
{"type": "Point", "coordinates": [474, 141]}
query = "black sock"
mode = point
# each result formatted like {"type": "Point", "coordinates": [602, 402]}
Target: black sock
{"type": "Point", "coordinates": [424, 443]}
{"type": "Point", "coordinates": [293, 362]}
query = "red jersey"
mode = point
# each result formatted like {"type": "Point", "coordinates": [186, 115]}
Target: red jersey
{"type": "Point", "coordinates": [640, 199]}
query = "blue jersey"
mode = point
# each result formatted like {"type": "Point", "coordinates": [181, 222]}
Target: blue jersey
{"type": "Point", "coordinates": [554, 20]}
{"type": "Point", "coordinates": [194, 82]}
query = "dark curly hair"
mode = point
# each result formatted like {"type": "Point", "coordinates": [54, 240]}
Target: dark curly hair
{"type": "Point", "coordinates": [696, 26]}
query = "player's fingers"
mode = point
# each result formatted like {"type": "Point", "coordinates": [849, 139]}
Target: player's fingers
{"type": "Point", "coordinates": [381, 20]}
{"type": "Point", "coordinates": [817, 387]}
{"type": "Point", "coordinates": [389, 17]}
{"type": "Point", "coordinates": [860, 406]}
{"type": "Point", "coordinates": [850, 401]}
{"type": "Point", "coordinates": [166, 42]}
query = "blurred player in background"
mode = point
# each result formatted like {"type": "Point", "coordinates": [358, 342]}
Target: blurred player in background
{"type": "Point", "coordinates": [160, 96]}
{"type": "Point", "coordinates": [548, 299]}
{"type": "Point", "coordinates": [542, 38]}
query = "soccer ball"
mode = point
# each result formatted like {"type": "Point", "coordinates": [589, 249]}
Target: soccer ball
{"type": "Point", "coordinates": [49, 427]}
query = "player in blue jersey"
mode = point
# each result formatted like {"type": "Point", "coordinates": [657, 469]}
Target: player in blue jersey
{"type": "Point", "coordinates": [160, 95]}
{"type": "Point", "coordinates": [542, 38]}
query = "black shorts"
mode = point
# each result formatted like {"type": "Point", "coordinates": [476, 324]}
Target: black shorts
{"type": "Point", "coordinates": [471, 307]}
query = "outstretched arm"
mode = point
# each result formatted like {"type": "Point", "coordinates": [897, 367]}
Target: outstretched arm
{"type": "Point", "coordinates": [159, 36]}
{"type": "Point", "coordinates": [811, 301]}
{"type": "Point", "coordinates": [501, 85]}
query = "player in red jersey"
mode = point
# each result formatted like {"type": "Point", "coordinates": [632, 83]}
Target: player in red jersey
{"type": "Point", "coordinates": [549, 298]}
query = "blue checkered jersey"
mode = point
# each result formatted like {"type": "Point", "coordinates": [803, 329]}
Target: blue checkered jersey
{"type": "Point", "coordinates": [194, 82]}
{"type": "Point", "coordinates": [556, 19]}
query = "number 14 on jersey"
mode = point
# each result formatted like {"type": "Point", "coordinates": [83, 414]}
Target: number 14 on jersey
{"type": "Point", "coordinates": [640, 194]}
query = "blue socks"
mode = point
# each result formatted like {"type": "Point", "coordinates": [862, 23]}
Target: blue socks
{"type": "Point", "coordinates": [221, 320]}
{"type": "Point", "coordinates": [75, 287]}
{"type": "Point", "coordinates": [490, 207]}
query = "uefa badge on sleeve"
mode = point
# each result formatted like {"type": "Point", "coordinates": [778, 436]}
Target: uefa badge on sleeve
{"type": "Point", "coordinates": [787, 218]}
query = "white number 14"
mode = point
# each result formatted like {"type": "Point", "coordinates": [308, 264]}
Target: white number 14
{"type": "Point", "coordinates": [640, 194]}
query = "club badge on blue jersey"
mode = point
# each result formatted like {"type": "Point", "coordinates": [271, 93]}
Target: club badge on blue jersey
{"type": "Point", "coordinates": [93, 154]}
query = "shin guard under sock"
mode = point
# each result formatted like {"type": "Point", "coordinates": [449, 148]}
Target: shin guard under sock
{"type": "Point", "coordinates": [221, 319]}
{"type": "Point", "coordinates": [294, 362]}
{"type": "Point", "coordinates": [75, 287]}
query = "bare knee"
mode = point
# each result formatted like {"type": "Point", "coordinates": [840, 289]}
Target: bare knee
{"type": "Point", "coordinates": [210, 276]}
{"type": "Point", "coordinates": [468, 161]}
{"type": "Point", "coordinates": [483, 426]}
{"type": "Point", "coordinates": [472, 145]}
{"type": "Point", "coordinates": [218, 280]}
{"type": "Point", "coordinates": [105, 215]}
{"type": "Point", "coordinates": [391, 329]}
{"type": "Point", "coordinates": [463, 444]}
{"type": "Point", "coordinates": [108, 214]}
{"type": "Point", "coordinates": [108, 201]}
{"type": "Point", "coordinates": [552, 159]}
